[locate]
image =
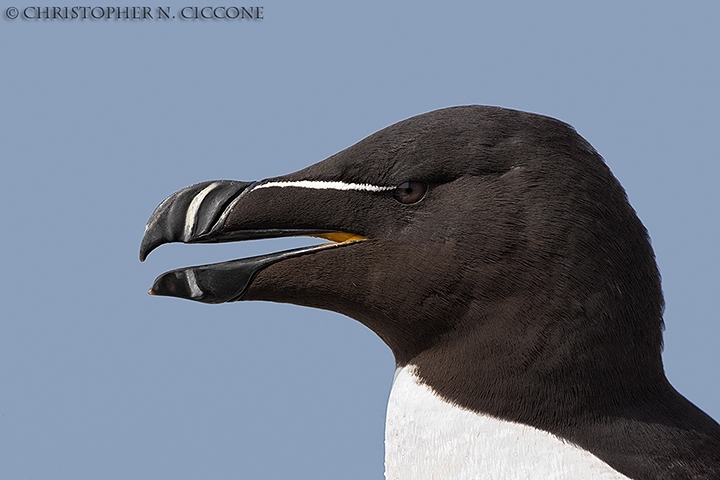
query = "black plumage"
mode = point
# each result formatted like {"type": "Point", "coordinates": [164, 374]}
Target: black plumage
{"type": "Point", "coordinates": [499, 256]}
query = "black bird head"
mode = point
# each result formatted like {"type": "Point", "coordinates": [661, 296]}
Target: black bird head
{"type": "Point", "coordinates": [468, 230]}
{"type": "Point", "coordinates": [491, 249]}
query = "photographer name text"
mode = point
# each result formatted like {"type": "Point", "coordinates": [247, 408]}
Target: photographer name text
{"type": "Point", "coordinates": [135, 13]}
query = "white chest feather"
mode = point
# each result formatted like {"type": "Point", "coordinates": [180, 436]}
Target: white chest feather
{"type": "Point", "coordinates": [427, 438]}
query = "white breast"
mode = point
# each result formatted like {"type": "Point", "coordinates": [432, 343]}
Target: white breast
{"type": "Point", "coordinates": [427, 438]}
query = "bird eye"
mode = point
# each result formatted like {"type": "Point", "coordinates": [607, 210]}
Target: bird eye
{"type": "Point", "coordinates": [410, 192]}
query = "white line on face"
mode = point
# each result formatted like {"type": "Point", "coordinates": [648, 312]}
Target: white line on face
{"type": "Point", "coordinates": [192, 210]}
{"type": "Point", "coordinates": [324, 185]}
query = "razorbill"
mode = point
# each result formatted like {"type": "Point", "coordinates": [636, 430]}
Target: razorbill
{"type": "Point", "coordinates": [496, 255]}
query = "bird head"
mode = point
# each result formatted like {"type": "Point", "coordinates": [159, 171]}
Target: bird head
{"type": "Point", "coordinates": [467, 232]}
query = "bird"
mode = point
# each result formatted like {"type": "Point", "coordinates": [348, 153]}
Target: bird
{"type": "Point", "coordinates": [500, 260]}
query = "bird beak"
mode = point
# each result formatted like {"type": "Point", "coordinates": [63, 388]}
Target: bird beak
{"type": "Point", "coordinates": [221, 211]}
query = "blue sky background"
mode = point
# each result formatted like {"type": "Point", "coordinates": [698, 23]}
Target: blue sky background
{"type": "Point", "coordinates": [100, 120]}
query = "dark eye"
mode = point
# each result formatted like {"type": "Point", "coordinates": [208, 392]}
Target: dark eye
{"type": "Point", "coordinates": [410, 192]}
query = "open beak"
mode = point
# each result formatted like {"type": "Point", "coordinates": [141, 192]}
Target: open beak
{"type": "Point", "coordinates": [207, 212]}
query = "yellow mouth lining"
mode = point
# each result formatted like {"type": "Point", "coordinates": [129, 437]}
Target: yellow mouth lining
{"type": "Point", "coordinates": [340, 237]}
